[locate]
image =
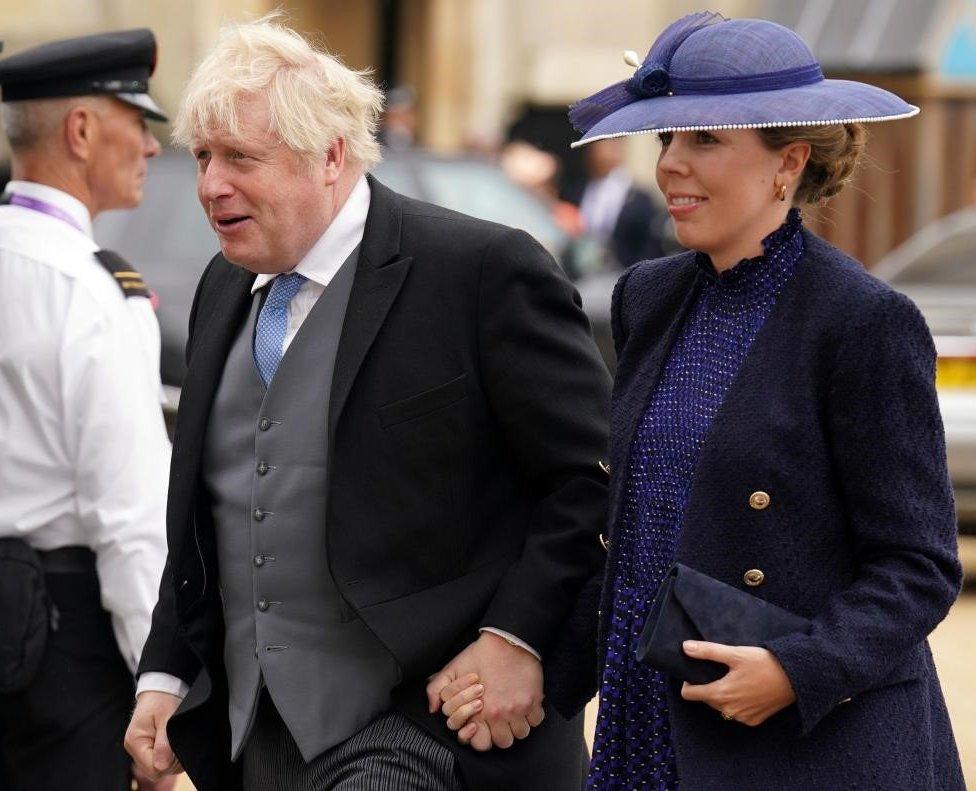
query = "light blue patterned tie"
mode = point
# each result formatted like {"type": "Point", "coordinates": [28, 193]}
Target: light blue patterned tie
{"type": "Point", "coordinates": [269, 337]}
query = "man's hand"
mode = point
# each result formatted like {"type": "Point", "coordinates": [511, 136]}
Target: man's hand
{"type": "Point", "coordinates": [145, 738]}
{"type": "Point", "coordinates": [511, 678]}
{"type": "Point", "coordinates": [754, 689]}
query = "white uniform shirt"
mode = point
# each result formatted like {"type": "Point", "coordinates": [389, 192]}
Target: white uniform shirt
{"type": "Point", "coordinates": [84, 456]}
{"type": "Point", "coordinates": [319, 265]}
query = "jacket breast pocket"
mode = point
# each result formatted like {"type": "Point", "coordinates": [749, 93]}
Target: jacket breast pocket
{"type": "Point", "coordinates": [423, 403]}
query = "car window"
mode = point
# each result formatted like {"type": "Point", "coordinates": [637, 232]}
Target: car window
{"type": "Point", "coordinates": [483, 191]}
{"type": "Point", "coordinates": [398, 176]}
{"type": "Point", "coordinates": [168, 227]}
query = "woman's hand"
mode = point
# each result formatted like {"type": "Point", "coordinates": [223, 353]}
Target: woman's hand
{"type": "Point", "coordinates": [754, 689]}
{"type": "Point", "coordinates": [462, 700]}
{"type": "Point", "coordinates": [459, 701]}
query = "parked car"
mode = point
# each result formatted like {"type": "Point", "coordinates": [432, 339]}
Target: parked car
{"type": "Point", "coordinates": [937, 269]}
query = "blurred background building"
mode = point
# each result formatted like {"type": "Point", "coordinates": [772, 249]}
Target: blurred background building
{"type": "Point", "coordinates": [467, 78]}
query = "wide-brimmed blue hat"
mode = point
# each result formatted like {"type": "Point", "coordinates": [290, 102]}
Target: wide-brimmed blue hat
{"type": "Point", "coordinates": [708, 72]}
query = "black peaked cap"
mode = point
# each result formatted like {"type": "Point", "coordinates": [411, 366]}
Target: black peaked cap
{"type": "Point", "coordinates": [117, 63]}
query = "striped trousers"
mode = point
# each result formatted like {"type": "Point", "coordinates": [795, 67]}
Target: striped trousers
{"type": "Point", "coordinates": [389, 754]}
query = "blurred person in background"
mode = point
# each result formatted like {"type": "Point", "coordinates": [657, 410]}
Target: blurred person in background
{"type": "Point", "coordinates": [616, 210]}
{"type": "Point", "coordinates": [538, 172]}
{"type": "Point", "coordinates": [375, 493]}
{"type": "Point", "coordinates": [398, 126]}
{"type": "Point", "coordinates": [774, 426]}
{"type": "Point", "coordinates": [83, 447]}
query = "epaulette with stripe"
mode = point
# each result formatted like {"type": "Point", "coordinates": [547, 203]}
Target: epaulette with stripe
{"type": "Point", "coordinates": [129, 280]}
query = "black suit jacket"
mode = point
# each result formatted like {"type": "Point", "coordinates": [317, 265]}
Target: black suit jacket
{"type": "Point", "coordinates": [468, 416]}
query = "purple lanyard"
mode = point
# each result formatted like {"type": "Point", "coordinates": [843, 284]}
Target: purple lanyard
{"type": "Point", "coordinates": [43, 207]}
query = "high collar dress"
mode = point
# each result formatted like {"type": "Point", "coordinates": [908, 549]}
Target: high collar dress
{"type": "Point", "coordinates": [632, 748]}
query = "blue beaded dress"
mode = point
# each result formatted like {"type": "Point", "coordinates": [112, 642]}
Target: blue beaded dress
{"type": "Point", "coordinates": [633, 748]}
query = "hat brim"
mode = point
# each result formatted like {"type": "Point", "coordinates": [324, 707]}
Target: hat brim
{"type": "Point", "coordinates": [825, 102]}
{"type": "Point", "coordinates": [145, 103]}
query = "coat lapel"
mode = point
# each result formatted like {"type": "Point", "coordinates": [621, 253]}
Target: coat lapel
{"type": "Point", "coordinates": [642, 362]}
{"type": "Point", "coordinates": [227, 299]}
{"type": "Point", "coordinates": [774, 348]}
{"type": "Point", "coordinates": [380, 273]}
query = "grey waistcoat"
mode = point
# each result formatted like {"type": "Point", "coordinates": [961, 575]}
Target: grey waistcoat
{"type": "Point", "coordinates": [265, 468]}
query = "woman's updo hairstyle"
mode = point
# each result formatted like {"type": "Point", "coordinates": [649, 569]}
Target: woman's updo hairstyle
{"type": "Point", "coordinates": [835, 150]}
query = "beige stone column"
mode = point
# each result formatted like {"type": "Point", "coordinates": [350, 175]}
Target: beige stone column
{"type": "Point", "coordinates": [445, 85]}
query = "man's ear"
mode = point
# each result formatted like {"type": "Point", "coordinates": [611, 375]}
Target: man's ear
{"type": "Point", "coordinates": [335, 160]}
{"type": "Point", "coordinates": [81, 130]}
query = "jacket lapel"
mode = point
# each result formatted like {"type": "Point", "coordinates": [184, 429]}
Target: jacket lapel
{"type": "Point", "coordinates": [226, 300]}
{"type": "Point", "coordinates": [380, 273]}
{"type": "Point", "coordinates": [774, 348]}
{"type": "Point", "coordinates": [642, 362]}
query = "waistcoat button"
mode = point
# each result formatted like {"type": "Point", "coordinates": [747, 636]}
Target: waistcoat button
{"type": "Point", "coordinates": [753, 577]}
{"type": "Point", "coordinates": [264, 424]}
{"type": "Point", "coordinates": [263, 605]}
{"type": "Point", "coordinates": [263, 468]}
{"type": "Point", "coordinates": [259, 560]}
{"type": "Point", "coordinates": [259, 515]}
{"type": "Point", "coordinates": [759, 500]}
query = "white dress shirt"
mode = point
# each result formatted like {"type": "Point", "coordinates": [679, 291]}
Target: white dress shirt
{"type": "Point", "coordinates": [320, 264]}
{"type": "Point", "coordinates": [84, 456]}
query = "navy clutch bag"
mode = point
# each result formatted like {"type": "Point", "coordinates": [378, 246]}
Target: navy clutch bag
{"type": "Point", "coordinates": [690, 605]}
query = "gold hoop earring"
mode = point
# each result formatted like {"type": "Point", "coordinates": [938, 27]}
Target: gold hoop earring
{"type": "Point", "coordinates": [781, 192]}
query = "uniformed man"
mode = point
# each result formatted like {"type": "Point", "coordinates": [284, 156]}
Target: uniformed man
{"type": "Point", "coordinates": [83, 449]}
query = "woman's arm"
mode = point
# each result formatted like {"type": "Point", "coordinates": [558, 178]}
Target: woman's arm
{"type": "Point", "coordinates": [888, 449]}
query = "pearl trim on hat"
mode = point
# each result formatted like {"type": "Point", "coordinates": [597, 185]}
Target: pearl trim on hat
{"type": "Point", "coordinates": [759, 125]}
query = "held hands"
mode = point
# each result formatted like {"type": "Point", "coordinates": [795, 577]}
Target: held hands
{"type": "Point", "coordinates": [754, 689]}
{"type": "Point", "coordinates": [504, 706]}
{"type": "Point", "coordinates": [145, 739]}
{"type": "Point", "coordinates": [143, 783]}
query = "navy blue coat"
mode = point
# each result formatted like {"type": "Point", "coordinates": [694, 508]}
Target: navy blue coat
{"type": "Point", "coordinates": [833, 414]}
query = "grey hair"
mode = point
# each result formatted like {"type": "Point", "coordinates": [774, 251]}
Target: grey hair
{"type": "Point", "coordinates": [312, 96]}
{"type": "Point", "coordinates": [29, 124]}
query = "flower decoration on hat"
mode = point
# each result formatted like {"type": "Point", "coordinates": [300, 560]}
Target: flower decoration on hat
{"type": "Point", "coordinates": [650, 80]}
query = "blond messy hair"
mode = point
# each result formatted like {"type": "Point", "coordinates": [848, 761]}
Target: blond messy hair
{"type": "Point", "coordinates": [313, 97]}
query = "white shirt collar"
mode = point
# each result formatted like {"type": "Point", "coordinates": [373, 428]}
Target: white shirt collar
{"type": "Point", "coordinates": [69, 204]}
{"type": "Point", "coordinates": [334, 246]}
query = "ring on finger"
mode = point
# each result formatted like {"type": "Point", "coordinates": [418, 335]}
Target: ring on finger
{"type": "Point", "coordinates": [727, 717]}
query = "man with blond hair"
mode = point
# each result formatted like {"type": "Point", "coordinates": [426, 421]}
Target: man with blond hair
{"type": "Point", "coordinates": [385, 491]}
{"type": "Point", "coordinates": [83, 446]}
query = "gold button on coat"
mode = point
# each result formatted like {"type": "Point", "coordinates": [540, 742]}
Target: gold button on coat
{"type": "Point", "coordinates": [753, 577]}
{"type": "Point", "coordinates": [605, 542]}
{"type": "Point", "coordinates": [604, 466]}
{"type": "Point", "coordinates": [759, 500]}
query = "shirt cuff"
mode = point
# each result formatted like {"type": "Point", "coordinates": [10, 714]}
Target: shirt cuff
{"type": "Point", "coordinates": [162, 682]}
{"type": "Point", "coordinates": [511, 639]}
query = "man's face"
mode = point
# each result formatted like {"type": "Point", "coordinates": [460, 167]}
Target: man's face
{"type": "Point", "coordinates": [267, 205]}
{"type": "Point", "coordinates": [118, 164]}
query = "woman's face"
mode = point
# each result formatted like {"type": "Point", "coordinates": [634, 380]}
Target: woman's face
{"type": "Point", "coordinates": [720, 188]}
